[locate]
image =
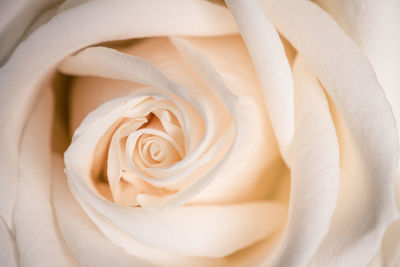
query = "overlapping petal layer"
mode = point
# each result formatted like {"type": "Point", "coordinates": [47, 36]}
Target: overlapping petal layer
{"type": "Point", "coordinates": [369, 156]}
{"type": "Point", "coordinates": [131, 220]}
{"type": "Point", "coordinates": [23, 75]}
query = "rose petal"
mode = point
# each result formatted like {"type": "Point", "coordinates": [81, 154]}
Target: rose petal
{"type": "Point", "coordinates": [8, 254]}
{"type": "Point", "coordinates": [253, 178]}
{"type": "Point", "coordinates": [16, 17]}
{"type": "Point", "coordinates": [121, 19]}
{"type": "Point", "coordinates": [389, 255]}
{"type": "Point", "coordinates": [219, 230]}
{"type": "Point", "coordinates": [86, 242]}
{"type": "Point", "coordinates": [375, 27]}
{"type": "Point", "coordinates": [36, 230]}
{"type": "Point", "coordinates": [206, 70]}
{"type": "Point", "coordinates": [78, 225]}
{"type": "Point", "coordinates": [369, 144]}
{"type": "Point", "coordinates": [271, 64]}
{"type": "Point", "coordinates": [314, 164]}
{"type": "Point", "coordinates": [74, 224]}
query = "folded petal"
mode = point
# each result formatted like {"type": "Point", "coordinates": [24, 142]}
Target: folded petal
{"type": "Point", "coordinates": [368, 135]}
{"type": "Point", "coordinates": [375, 27]}
{"type": "Point", "coordinates": [16, 18]}
{"type": "Point", "coordinates": [315, 172]}
{"type": "Point", "coordinates": [389, 255]}
{"type": "Point", "coordinates": [84, 239]}
{"type": "Point", "coordinates": [37, 232]}
{"type": "Point", "coordinates": [210, 231]}
{"type": "Point", "coordinates": [271, 64]}
{"type": "Point", "coordinates": [253, 178]}
{"type": "Point", "coordinates": [96, 250]}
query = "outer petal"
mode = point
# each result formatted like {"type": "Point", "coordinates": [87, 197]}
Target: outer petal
{"type": "Point", "coordinates": [271, 64]}
{"type": "Point", "coordinates": [389, 255]}
{"type": "Point", "coordinates": [95, 250]}
{"type": "Point", "coordinates": [210, 231]}
{"type": "Point", "coordinates": [314, 163]}
{"type": "Point", "coordinates": [366, 201]}
{"type": "Point", "coordinates": [240, 180]}
{"type": "Point", "coordinates": [375, 26]}
{"type": "Point", "coordinates": [16, 17]}
{"type": "Point", "coordinates": [138, 249]}
{"type": "Point", "coordinates": [37, 233]}
{"type": "Point", "coordinates": [8, 253]}
{"type": "Point", "coordinates": [36, 57]}
{"type": "Point", "coordinates": [86, 242]}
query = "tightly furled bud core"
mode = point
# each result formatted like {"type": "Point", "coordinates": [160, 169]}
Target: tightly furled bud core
{"type": "Point", "coordinates": [146, 137]}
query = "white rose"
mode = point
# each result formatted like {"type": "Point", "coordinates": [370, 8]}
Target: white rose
{"type": "Point", "coordinates": [207, 149]}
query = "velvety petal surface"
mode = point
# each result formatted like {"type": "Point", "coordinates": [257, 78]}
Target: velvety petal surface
{"type": "Point", "coordinates": [8, 252]}
{"type": "Point", "coordinates": [86, 242]}
{"type": "Point", "coordinates": [315, 172]}
{"type": "Point", "coordinates": [37, 232]}
{"type": "Point", "coordinates": [271, 64]}
{"type": "Point", "coordinates": [369, 156]}
{"type": "Point", "coordinates": [375, 27]}
{"type": "Point", "coordinates": [16, 18]}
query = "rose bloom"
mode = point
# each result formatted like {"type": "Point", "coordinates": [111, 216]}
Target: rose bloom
{"type": "Point", "coordinates": [199, 133]}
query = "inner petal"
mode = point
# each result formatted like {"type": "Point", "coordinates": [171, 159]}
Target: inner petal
{"type": "Point", "coordinates": [154, 151]}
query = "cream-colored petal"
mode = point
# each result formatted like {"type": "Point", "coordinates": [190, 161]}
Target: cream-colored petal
{"type": "Point", "coordinates": [37, 232]}
{"type": "Point", "coordinates": [207, 72]}
{"type": "Point", "coordinates": [198, 175]}
{"type": "Point", "coordinates": [153, 255]}
{"type": "Point", "coordinates": [220, 230]}
{"type": "Point", "coordinates": [315, 172]}
{"type": "Point", "coordinates": [116, 159]}
{"type": "Point", "coordinates": [137, 163]}
{"type": "Point", "coordinates": [8, 250]}
{"type": "Point", "coordinates": [369, 141]}
{"type": "Point", "coordinates": [35, 58]}
{"type": "Point", "coordinates": [389, 255]}
{"type": "Point", "coordinates": [84, 239]}
{"type": "Point", "coordinates": [375, 27]}
{"type": "Point", "coordinates": [271, 64]}
{"type": "Point", "coordinates": [253, 178]}
{"type": "Point", "coordinates": [170, 128]}
{"type": "Point", "coordinates": [16, 17]}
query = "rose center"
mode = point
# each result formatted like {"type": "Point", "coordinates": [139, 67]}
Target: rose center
{"type": "Point", "coordinates": [147, 139]}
